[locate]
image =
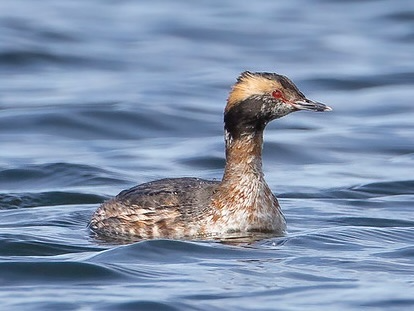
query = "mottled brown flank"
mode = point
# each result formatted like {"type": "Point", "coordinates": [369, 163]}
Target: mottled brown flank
{"type": "Point", "coordinates": [163, 208]}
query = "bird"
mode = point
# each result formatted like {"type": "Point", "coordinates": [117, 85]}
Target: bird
{"type": "Point", "coordinates": [240, 204]}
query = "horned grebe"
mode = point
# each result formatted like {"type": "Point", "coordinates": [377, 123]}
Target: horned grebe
{"type": "Point", "coordinates": [240, 204]}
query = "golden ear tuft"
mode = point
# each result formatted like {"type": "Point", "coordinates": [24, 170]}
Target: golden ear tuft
{"type": "Point", "coordinates": [249, 84]}
{"type": "Point", "coordinates": [244, 74]}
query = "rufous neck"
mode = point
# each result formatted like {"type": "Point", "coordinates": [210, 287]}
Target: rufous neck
{"type": "Point", "coordinates": [244, 156]}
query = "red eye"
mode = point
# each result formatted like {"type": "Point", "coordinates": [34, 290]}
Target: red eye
{"type": "Point", "coordinates": [277, 94]}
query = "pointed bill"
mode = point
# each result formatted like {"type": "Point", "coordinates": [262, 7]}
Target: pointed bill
{"type": "Point", "coordinates": [307, 104]}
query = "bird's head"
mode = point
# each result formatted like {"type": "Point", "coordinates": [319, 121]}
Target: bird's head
{"type": "Point", "coordinates": [258, 98]}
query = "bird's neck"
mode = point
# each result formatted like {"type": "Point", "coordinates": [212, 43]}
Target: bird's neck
{"type": "Point", "coordinates": [243, 158]}
{"type": "Point", "coordinates": [243, 200]}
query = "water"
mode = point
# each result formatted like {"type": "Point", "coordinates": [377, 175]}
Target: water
{"type": "Point", "coordinates": [97, 96]}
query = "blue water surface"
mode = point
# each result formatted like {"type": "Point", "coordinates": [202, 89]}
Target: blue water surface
{"type": "Point", "coordinates": [97, 96]}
